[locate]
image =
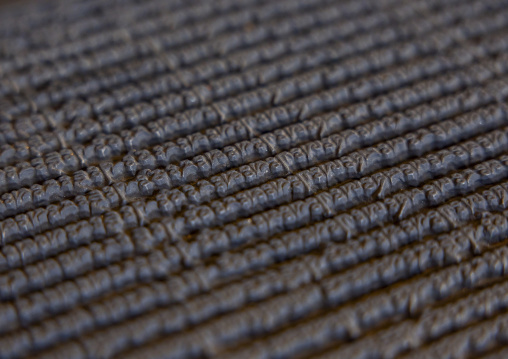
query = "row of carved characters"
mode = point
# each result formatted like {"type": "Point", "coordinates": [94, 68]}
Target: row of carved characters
{"type": "Point", "coordinates": [301, 183]}
{"type": "Point", "coordinates": [294, 215]}
{"type": "Point", "coordinates": [403, 207]}
{"type": "Point", "coordinates": [336, 289]}
{"type": "Point", "coordinates": [265, 145]}
{"type": "Point", "coordinates": [104, 146]}
{"type": "Point", "coordinates": [125, 269]}
{"type": "Point", "coordinates": [409, 299]}
{"type": "Point", "coordinates": [307, 182]}
{"type": "Point", "coordinates": [487, 222]}
{"type": "Point", "coordinates": [330, 222]}
{"type": "Point", "coordinates": [138, 81]}
{"type": "Point", "coordinates": [174, 22]}
{"type": "Point", "coordinates": [170, 151]}
{"type": "Point", "coordinates": [477, 339]}
{"type": "Point", "coordinates": [27, 31]}
{"type": "Point", "coordinates": [152, 45]}
{"type": "Point", "coordinates": [28, 173]}
{"type": "Point", "coordinates": [311, 285]}
{"type": "Point", "coordinates": [438, 321]}
{"type": "Point", "coordinates": [292, 54]}
{"type": "Point", "coordinates": [84, 231]}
